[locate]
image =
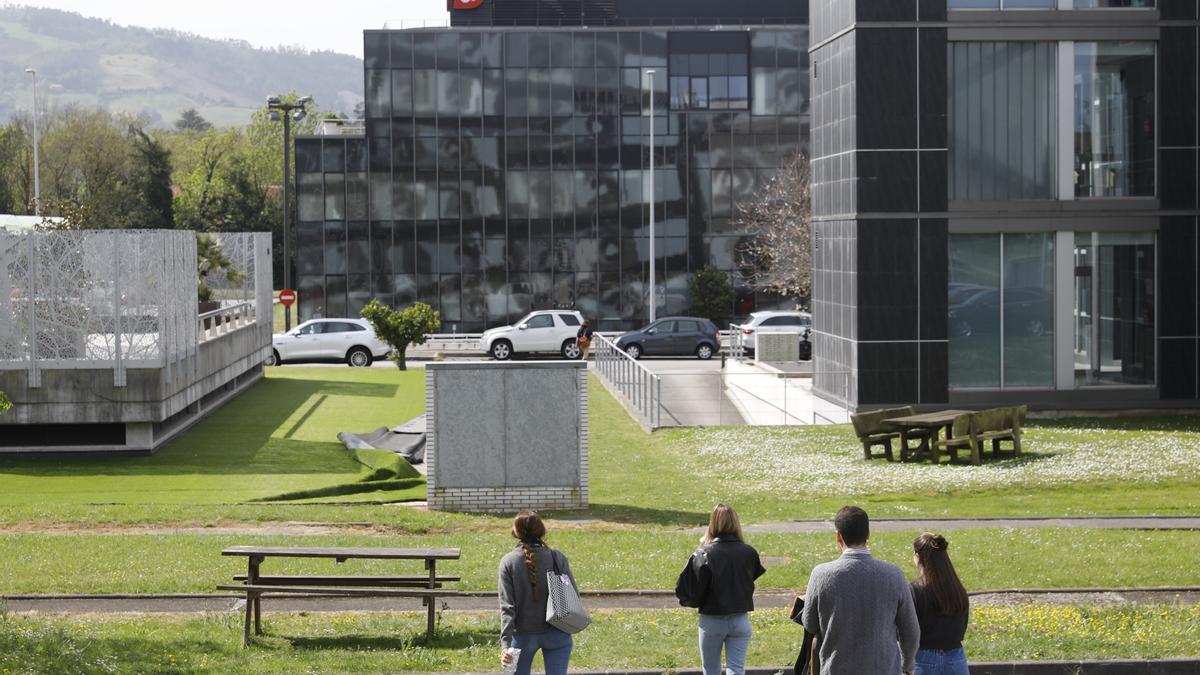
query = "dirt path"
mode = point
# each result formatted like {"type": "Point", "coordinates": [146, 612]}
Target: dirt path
{"type": "Point", "coordinates": [486, 602]}
{"type": "Point", "coordinates": [307, 529]}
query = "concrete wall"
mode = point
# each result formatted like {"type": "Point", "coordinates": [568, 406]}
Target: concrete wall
{"type": "Point", "coordinates": [507, 436]}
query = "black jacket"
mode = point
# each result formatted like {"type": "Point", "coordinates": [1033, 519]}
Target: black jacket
{"type": "Point", "coordinates": [584, 330]}
{"type": "Point", "coordinates": [726, 577]}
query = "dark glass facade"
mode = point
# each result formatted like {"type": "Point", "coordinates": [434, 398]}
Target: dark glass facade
{"type": "Point", "coordinates": [505, 170]}
{"type": "Point", "coordinates": [1005, 203]}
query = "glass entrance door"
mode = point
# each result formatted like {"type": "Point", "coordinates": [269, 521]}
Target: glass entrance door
{"type": "Point", "coordinates": [1114, 308]}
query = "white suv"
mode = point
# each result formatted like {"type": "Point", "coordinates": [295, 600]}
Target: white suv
{"type": "Point", "coordinates": [771, 322]}
{"type": "Point", "coordinates": [351, 340]}
{"type": "Point", "coordinates": [544, 331]}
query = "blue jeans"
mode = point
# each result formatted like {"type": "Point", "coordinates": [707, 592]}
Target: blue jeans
{"type": "Point", "coordinates": [730, 631]}
{"type": "Point", "coordinates": [556, 650]}
{"type": "Point", "coordinates": [941, 662]}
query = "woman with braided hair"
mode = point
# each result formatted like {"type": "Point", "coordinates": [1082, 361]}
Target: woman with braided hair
{"type": "Point", "coordinates": [523, 597]}
{"type": "Point", "coordinates": [942, 607]}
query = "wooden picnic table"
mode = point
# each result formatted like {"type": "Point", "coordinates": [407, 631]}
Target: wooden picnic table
{"type": "Point", "coordinates": [933, 422]}
{"type": "Point", "coordinates": [428, 586]}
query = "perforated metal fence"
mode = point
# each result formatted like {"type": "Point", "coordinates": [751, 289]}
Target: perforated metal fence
{"type": "Point", "coordinates": [99, 299]}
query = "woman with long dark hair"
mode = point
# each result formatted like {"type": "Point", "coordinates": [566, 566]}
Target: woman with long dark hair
{"type": "Point", "coordinates": [725, 568]}
{"type": "Point", "coordinates": [942, 607]}
{"type": "Point", "coordinates": [523, 596]}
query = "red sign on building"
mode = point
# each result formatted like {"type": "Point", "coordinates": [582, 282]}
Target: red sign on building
{"type": "Point", "coordinates": [467, 4]}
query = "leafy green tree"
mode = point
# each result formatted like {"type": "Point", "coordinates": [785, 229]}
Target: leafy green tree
{"type": "Point", "coordinates": [400, 329]}
{"type": "Point", "coordinates": [190, 120]}
{"type": "Point", "coordinates": [711, 293]}
{"type": "Point", "coordinates": [149, 183]}
{"type": "Point", "coordinates": [12, 142]}
{"type": "Point", "coordinates": [210, 258]}
{"type": "Point", "coordinates": [5, 404]}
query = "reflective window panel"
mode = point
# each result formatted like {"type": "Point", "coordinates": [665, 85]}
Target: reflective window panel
{"type": "Point", "coordinates": [1114, 119]}
{"type": "Point", "coordinates": [1114, 308]}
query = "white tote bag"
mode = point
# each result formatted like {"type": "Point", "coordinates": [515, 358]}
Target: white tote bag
{"type": "Point", "coordinates": [564, 610]}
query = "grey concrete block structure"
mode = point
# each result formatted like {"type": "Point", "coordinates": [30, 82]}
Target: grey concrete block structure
{"type": "Point", "coordinates": [507, 436]}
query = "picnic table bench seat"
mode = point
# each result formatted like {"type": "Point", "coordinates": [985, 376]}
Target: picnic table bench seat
{"type": "Point", "coordinates": [426, 587]}
{"type": "Point", "coordinates": [873, 430]}
{"type": "Point", "coordinates": [413, 581]}
{"type": "Point", "coordinates": [960, 436]}
{"type": "Point", "coordinates": [972, 430]}
{"type": "Point", "coordinates": [999, 425]}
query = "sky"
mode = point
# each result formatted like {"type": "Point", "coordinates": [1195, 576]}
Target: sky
{"type": "Point", "coordinates": [334, 25]}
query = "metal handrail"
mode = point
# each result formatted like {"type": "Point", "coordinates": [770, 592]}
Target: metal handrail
{"type": "Point", "coordinates": [224, 320]}
{"type": "Point", "coordinates": [635, 382]}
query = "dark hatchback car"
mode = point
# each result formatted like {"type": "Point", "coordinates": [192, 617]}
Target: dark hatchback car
{"type": "Point", "coordinates": [673, 336]}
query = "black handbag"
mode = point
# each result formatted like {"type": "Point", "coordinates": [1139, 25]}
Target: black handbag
{"type": "Point", "coordinates": [808, 662]}
{"type": "Point", "coordinates": [687, 586]}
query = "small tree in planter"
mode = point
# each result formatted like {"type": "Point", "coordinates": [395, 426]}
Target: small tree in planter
{"type": "Point", "coordinates": [401, 329]}
{"type": "Point", "coordinates": [210, 258]}
{"type": "Point", "coordinates": [711, 293]}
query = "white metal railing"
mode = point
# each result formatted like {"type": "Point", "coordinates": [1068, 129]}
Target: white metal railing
{"type": "Point", "coordinates": [737, 350]}
{"type": "Point", "coordinates": [225, 320]}
{"type": "Point", "coordinates": [632, 380]}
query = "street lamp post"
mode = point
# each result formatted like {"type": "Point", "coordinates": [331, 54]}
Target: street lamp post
{"type": "Point", "coordinates": [653, 260]}
{"type": "Point", "coordinates": [287, 112]}
{"type": "Point", "coordinates": [37, 178]}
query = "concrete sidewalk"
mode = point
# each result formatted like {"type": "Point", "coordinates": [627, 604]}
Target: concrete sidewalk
{"type": "Point", "coordinates": [485, 601]}
{"type": "Point", "coordinates": [937, 524]}
{"type": "Point", "coordinates": [1186, 666]}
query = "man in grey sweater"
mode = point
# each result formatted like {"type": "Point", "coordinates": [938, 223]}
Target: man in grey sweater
{"type": "Point", "coordinates": [861, 607]}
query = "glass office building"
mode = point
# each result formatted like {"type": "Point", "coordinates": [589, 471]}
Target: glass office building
{"type": "Point", "coordinates": [1005, 202]}
{"type": "Point", "coordinates": [505, 168]}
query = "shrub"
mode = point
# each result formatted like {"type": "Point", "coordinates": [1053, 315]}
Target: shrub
{"type": "Point", "coordinates": [400, 329]}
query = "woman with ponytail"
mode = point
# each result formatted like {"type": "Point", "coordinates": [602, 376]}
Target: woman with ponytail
{"type": "Point", "coordinates": [942, 607]}
{"type": "Point", "coordinates": [523, 600]}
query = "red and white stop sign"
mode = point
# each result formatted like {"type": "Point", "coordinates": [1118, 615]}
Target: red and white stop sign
{"type": "Point", "coordinates": [287, 297]}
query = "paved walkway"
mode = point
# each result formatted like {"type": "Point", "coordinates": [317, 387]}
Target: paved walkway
{"type": "Point", "coordinates": [936, 524]}
{"type": "Point", "coordinates": [486, 601]}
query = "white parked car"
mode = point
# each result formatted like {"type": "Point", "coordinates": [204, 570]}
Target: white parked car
{"type": "Point", "coordinates": [552, 330]}
{"type": "Point", "coordinates": [351, 340]}
{"type": "Point", "coordinates": [771, 322]}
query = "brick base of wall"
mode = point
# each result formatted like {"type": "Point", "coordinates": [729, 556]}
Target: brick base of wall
{"type": "Point", "coordinates": [506, 500]}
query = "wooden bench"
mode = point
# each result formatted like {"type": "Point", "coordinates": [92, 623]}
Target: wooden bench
{"type": "Point", "coordinates": [999, 425]}
{"type": "Point", "coordinates": [873, 429]}
{"type": "Point", "coordinates": [428, 587]}
{"type": "Point", "coordinates": [961, 435]}
{"type": "Point", "coordinates": [972, 430]}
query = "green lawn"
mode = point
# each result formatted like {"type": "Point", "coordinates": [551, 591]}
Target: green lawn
{"type": "Point", "coordinates": [280, 436]}
{"type": "Point", "coordinates": [378, 642]}
{"type": "Point", "coordinates": [601, 559]}
{"type": "Point", "coordinates": [111, 525]}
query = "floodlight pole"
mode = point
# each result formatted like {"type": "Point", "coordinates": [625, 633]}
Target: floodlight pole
{"type": "Point", "coordinates": [287, 221]}
{"type": "Point", "coordinates": [37, 178]}
{"type": "Point", "coordinates": [278, 107]}
{"type": "Point", "coordinates": [653, 260]}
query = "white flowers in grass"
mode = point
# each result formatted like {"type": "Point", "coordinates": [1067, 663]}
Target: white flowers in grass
{"type": "Point", "coordinates": [826, 461]}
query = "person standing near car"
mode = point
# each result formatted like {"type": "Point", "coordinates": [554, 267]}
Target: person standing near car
{"type": "Point", "coordinates": [583, 339]}
{"type": "Point", "coordinates": [725, 569]}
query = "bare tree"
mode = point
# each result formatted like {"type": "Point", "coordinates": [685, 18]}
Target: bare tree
{"type": "Point", "coordinates": [777, 257]}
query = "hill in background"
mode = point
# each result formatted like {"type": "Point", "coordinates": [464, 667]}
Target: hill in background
{"type": "Point", "coordinates": [158, 73]}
